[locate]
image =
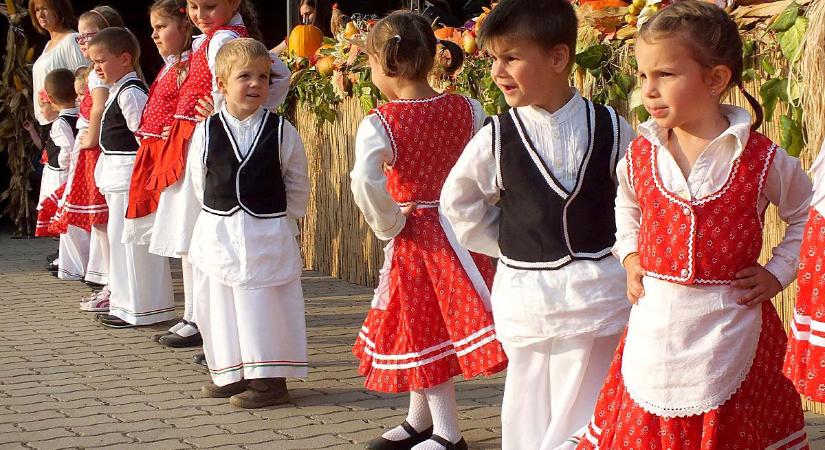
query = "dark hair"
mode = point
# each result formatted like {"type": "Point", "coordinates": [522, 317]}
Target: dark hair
{"type": "Point", "coordinates": [104, 17]}
{"type": "Point", "coordinates": [250, 19]}
{"type": "Point", "coordinates": [405, 45]}
{"type": "Point", "coordinates": [119, 41]}
{"type": "Point", "coordinates": [710, 34]}
{"type": "Point", "coordinates": [59, 84]}
{"type": "Point", "coordinates": [62, 8]}
{"type": "Point", "coordinates": [547, 23]}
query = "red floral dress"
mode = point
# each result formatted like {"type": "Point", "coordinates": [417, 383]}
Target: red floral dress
{"type": "Point", "coordinates": [83, 204]}
{"type": "Point", "coordinates": [435, 325]}
{"type": "Point", "coordinates": [805, 358]}
{"type": "Point", "coordinates": [159, 111]}
{"type": "Point", "coordinates": [169, 163]}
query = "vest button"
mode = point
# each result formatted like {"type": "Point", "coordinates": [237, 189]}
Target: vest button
{"type": "Point", "coordinates": [686, 210]}
{"type": "Point", "coordinates": [684, 273]}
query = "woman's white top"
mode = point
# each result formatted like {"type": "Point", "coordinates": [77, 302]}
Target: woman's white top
{"type": "Point", "coordinates": [818, 174]}
{"type": "Point", "coordinates": [65, 54]}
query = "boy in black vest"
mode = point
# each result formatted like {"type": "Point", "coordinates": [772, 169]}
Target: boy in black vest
{"type": "Point", "coordinates": [248, 169]}
{"type": "Point", "coordinates": [535, 188]}
{"type": "Point", "coordinates": [140, 283]}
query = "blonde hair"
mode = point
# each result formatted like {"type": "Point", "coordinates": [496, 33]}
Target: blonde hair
{"type": "Point", "coordinates": [239, 52]}
{"type": "Point", "coordinates": [103, 16]}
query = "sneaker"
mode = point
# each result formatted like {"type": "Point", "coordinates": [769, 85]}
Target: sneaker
{"type": "Point", "coordinates": [96, 302]}
{"type": "Point", "coordinates": [212, 390]}
{"type": "Point", "coordinates": [262, 392]}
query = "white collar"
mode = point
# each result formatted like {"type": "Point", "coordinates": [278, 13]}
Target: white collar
{"type": "Point", "coordinates": [571, 110]}
{"type": "Point", "coordinates": [128, 77]}
{"type": "Point", "coordinates": [238, 123]}
{"type": "Point", "coordinates": [739, 129]}
{"type": "Point", "coordinates": [70, 112]}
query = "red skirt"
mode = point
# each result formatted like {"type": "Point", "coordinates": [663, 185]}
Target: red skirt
{"type": "Point", "coordinates": [765, 412]}
{"type": "Point", "coordinates": [170, 162]}
{"type": "Point", "coordinates": [84, 205]}
{"type": "Point", "coordinates": [805, 358]}
{"type": "Point", "coordinates": [143, 201]}
{"type": "Point", "coordinates": [435, 325]}
{"type": "Point", "coordinates": [48, 213]}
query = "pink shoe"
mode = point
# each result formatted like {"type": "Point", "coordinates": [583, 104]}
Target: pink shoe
{"type": "Point", "coordinates": [96, 303]}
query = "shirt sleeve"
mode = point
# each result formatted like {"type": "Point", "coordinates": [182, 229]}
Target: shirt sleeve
{"type": "Point", "coordinates": [373, 151]}
{"type": "Point", "coordinates": [470, 195]}
{"type": "Point", "coordinates": [278, 83]}
{"type": "Point", "coordinates": [63, 136]}
{"type": "Point", "coordinates": [132, 101]}
{"type": "Point", "coordinates": [479, 116]}
{"type": "Point", "coordinates": [194, 163]}
{"type": "Point", "coordinates": [628, 214]}
{"type": "Point", "coordinates": [788, 187]}
{"type": "Point", "coordinates": [220, 38]}
{"type": "Point", "coordinates": [294, 171]}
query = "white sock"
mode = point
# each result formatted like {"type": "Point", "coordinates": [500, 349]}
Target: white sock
{"type": "Point", "coordinates": [418, 416]}
{"type": "Point", "coordinates": [176, 327]}
{"type": "Point", "coordinates": [186, 269]}
{"type": "Point", "coordinates": [187, 330]}
{"type": "Point", "coordinates": [441, 400]}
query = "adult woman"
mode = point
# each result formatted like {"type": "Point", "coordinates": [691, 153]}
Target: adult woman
{"type": "Point", "coordinates": [311, 12]}
{"type": "Point", "coordinates": [55, 17]}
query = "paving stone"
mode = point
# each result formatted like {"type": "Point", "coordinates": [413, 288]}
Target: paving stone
{"type": "Point", "coordinates": [80, 441]}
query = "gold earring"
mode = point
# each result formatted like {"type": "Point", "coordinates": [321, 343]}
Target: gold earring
{"type": "Point", "coordinates": [713, 92]}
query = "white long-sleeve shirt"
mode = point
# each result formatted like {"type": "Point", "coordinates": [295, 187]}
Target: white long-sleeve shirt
{"type": "Point", "coordinates": [373, 151]}
{"type": "Point", "coordinates": [530, 306]}
{"type": "Point", "coordinates": [242, 250]}
{"type": "Point", "coordinates": [279, 83]}
{"type": "Point", "coordinates": [114, 172]}
{"type": "Point", "coordinates": [63, 135]}
{"type": "Point", "coordinates": [65, 54]}
{"type": "Point", "coordinates": [818, 175]}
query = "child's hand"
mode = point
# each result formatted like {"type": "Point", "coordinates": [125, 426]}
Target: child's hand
{"type": "Point", "coordinates": [165, 133]}
{"type": "Point", "coordinates": [761, 283]}
{"type": "Point", "coordinates": [635, 272]}
{"type": "Point", "coordinates": [205, 107]}
{"type": "Point", "coordinates": [28, 126]}
{"type": "Point", "coordinates": [87, 141]}
{"type": "Point", "coordinates": [408, 209]}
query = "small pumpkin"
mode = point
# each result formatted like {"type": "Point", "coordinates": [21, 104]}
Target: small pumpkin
{"type": "Point", "coordinates": [325, 65]}
{"type": "Point", "coordinates": [444, 33]}
{"type": "Point", "coordinates": [305, 40]}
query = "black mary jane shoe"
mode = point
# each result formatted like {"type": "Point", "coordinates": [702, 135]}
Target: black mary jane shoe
{"type": "Point", "coordinates": [380, 443]}
{"type": "Point", "coordinates": [460, 445]}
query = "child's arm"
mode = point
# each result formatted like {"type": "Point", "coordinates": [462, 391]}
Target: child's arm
{"type": "Point", "coordinates": [470, 194]}
{"type": "Point", "coordinates": [63, 136]}
{"type": "Point", "coordinates": [369, 182]}
{"type": "Point", "coordinates": [626, 136]}
{"type": "Point", "coordinates": [91, 137]}
{"type": "Point", "coordinates": [294, 171]}
{"type": "Point", "coordinates": [789, 188]}
{"type": "Point", "coordinates": [132, 101]}
{"type": "Point", "coordinates": [33, 134]}
{"type": "Point", "coordinates": [195, 165]}
{"type": "Point", "coordinates": [278, 83]}
{"type": "Point", "coordinates": [628, 222]}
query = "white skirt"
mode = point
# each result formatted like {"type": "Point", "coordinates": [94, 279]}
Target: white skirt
{"type": "Point", "coordinates": [178, 209]}
{"type": "Point", "coordinates": [49, 182]}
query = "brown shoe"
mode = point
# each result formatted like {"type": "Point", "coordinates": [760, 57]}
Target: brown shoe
{"type": "Point", "coordinates": [262, 392]}
{"type": "Point", "coordinates": [212, 390]}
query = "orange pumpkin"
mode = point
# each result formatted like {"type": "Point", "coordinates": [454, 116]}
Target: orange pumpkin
{"type": "Point", "coordinates": [601, 4]}
{"type": "Point", "coordinates": [305, 40]}
{"type": "Point", "coordinates": [444, 33]}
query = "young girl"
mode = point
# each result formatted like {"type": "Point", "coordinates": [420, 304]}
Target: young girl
{"type": "Point", "coordinates": [701, 363]}
{"type": "Point", "coordinates": [45, 209]}
{"type": "Point", "coordinates": [83, 214]}
{"type": "Point", "coordinates": [430, 319]}
{"type": "Point", "coordinates": [177, 207]}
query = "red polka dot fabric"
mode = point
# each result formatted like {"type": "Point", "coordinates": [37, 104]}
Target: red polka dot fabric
{"type": "Point", "coordinates": [83, 205]}
{"type": "Point", "coordinates": [805, 358]}
{"type": "Point", "coordinates": [46, 213]}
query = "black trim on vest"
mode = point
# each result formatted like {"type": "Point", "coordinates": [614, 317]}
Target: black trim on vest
{"type": "Point", "coordinates": [52, 149]}
{"type": "Point", "coordinates": [544, 226]}
{"type": "Point", "coordinates": [253, 182]}
{"type": "Point", "coordinates": [114, 132]}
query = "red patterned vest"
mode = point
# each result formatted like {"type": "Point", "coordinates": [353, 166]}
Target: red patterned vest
{"type": "Point", "coordinates": [427, 137]}
{"type": "Point", "coordinates": [705, 240]}
{"type": "Point", "coordinates": [198, 83]}
{"type": "Point", "coordinates": [163, 99]}
{"type": "Point", "coordinates": [86, 105]}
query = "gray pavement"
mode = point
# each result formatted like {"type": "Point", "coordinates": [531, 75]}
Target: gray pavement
{"type": "Point", "coordinates": [66, 382]}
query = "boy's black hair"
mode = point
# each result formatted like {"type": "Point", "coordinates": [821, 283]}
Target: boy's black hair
{"type": "Point", "coordinates": [59, 84]}
{"type": "Point", "coordinates": [546, 23]}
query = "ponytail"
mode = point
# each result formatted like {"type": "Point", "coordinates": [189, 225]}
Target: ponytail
{"type": "Point", "coordinates": [389, 56]}
{"type": "Point", "coordinates": [757, 108]}
{"type": "Point", "coordinates": [456, 55]}
{"type": "Point", "coordinates": [250, 19]}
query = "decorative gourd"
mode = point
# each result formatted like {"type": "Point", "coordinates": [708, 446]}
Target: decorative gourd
{"type": "Point", "coordinates": [305, 40]}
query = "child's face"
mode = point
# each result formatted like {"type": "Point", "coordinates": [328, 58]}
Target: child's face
{"type": "Point", "coordinates": [80, 90]}
{"type": "Point", "coordinates": [209, 15]}
{"type": "Point", "coordinates": [676, 90]}
{"type": "Point", "coordinates": [247, 87]}
{"type": "Point", "coordinates": [87, 29]}
{"type": "Point", "coordinates": [47, 110]}
{"type": "Point", "coordinates": [167, 33]}
{"type": "Point", "coordinates": [380, 79]}
{"type": "Point", "coordinates": [527, 73]}
{"type": "Point", "coordinates": [110, 67]}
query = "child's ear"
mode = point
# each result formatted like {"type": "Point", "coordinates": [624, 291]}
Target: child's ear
{"type": "Point", "coordinates": [719, 78]}
{"type": "Point", "coordinates": [560, 57]}
{"type": "Point", "coordinates": [221, 86]}
{"type": "Point", "coordinates": [125, 59]}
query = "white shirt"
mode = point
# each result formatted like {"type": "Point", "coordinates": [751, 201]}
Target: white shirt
{"type": "Point", "coordinates": [818, 175]}
{"type": "Point", "coordinates": [93, 81]}
{"type": "Point", "coordinates": [279, 83]}
{"type": "Point", "coordinates": [114, 172]}
{"type": "Point", "coordinates": [65, 54]}
{"type": "Point", "coordinates": [530, 306]}
{"type": "Point", "coordinates": [62, 135]}
{"type": "Point", "coordinates": [242, 250]}
{"type": "Point", "coordinates": [373, 150]}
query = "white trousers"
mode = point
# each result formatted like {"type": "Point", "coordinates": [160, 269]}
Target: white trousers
{"type": "Point", "coordinates": [251, 333]}
{"type": "Point", "coordinates": [97, 271]}
{"type": "Point", "coordinates": [140, 283]}
{"type": "Point", "coordinates": [551, 391]}
{"type": "Point", "coordinates": [73, 254]}
{"type": "Point", "coordinates": [188, 299]}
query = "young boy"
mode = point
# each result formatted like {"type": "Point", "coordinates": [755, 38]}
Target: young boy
{"type": "Point", "coordinates": [535, 188]}
{"type": "Point", "coordinates": [249, 172]}
{"type": "Point", "coordinates": [140, 283]}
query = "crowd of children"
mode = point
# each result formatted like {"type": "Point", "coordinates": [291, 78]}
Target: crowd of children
{"type": "Point", "coordinates": [581, 213]}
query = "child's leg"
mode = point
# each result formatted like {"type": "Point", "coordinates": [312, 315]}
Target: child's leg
{"type": "Point", "coordinates": [118, 272]}
{"type": "Point", "coordinates": [186, 333]}
{"type": "Point", "coordinates": [150, 297]}
{"type": "Point", "coordinates": [216, 314]}
{"type": "Point", "coordinates": [74, 254]}
{"type": "Point", "coordinates": [97, 271]}
{"type": "Point", "coordinates": [418, 416]}
{"type": "Point", "coordinates": [441, 400]}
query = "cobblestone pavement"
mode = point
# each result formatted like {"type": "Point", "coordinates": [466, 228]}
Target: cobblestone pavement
{"type": "Point", "coordinates": [66, 382]}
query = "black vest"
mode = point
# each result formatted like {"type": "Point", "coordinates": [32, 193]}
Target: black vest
{"type": "Point", "coordinates": [253, 182]}
{"type": "Point", "coordinates": [52, 149]}
{"type": "Point", "coordinates": [115, 136]}
{"type": "Point", "coordinates": [543, 226]}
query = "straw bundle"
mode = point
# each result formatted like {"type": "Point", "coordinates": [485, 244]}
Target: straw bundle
{"type": "Point", "coordinates": [812, 70]}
